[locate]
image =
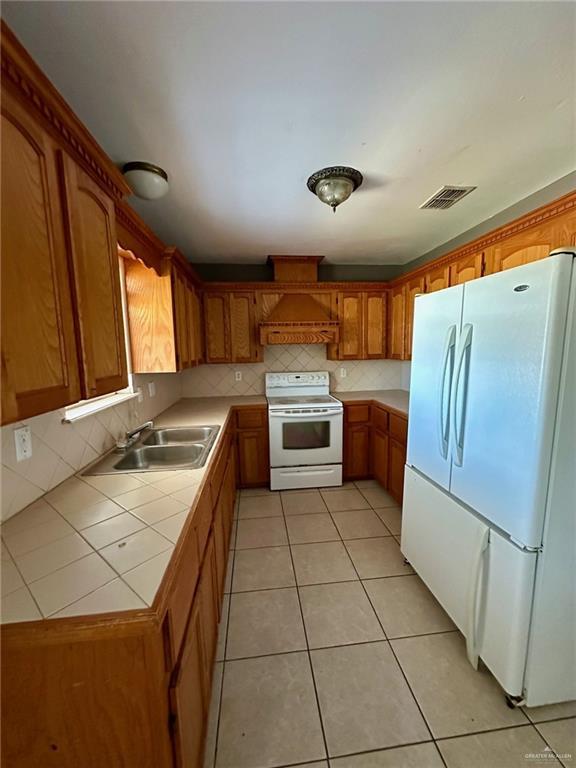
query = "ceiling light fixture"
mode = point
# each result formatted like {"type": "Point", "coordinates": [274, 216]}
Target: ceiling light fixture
{"type": "Point", "coordinates": [334, 185]}
{"type": "Point", "coordinates": [146, 180]}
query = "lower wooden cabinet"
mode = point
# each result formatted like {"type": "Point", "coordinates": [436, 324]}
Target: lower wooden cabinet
{"type": "Point", "coordinates": [253, 450]}
{"type": "Point", "coordinates": [357, 438]}
{"type": "Point", "coordinates": [380, 457]}
{"type": "Point", "coordinates": [189, 698]}
{"type": "Point", "coordinates": [396, 463]}
{"type": "Point", "coordinates": [130, 688]}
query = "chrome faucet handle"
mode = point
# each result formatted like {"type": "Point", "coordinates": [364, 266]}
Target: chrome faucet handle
{"type": "Point", "coordinates": [132, 435]}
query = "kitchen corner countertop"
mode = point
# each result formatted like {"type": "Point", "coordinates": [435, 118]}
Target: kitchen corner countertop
{"type": "Point", "coordinates": [395, 399]}
{"type": "Point", "coordinates": [102, 543]}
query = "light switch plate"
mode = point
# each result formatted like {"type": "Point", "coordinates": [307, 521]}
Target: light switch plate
{"type": "Point", "coordinates": [343, 373]}
{"type": "Point", "coordinates": [140, 395]}
{"type": "Point", "coordinates": [152, 389]}
{"type": "Point", "coordinates": [23, 440]}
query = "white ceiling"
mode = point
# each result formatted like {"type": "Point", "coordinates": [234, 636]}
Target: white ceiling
{"type": "Point", "coordinates": [240, 102]}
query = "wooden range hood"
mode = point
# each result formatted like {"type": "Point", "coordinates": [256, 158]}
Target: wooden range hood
{"type": "Point", "coordinates": [298, 318]}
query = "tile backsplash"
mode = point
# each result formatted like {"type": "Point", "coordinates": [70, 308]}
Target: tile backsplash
{"type": "Point", "coordinates": [59, 450]}
{"type": "Point", "coordinates": [218, 380]}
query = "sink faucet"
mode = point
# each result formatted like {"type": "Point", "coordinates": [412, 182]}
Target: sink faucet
{"type": "Point", "coordinates": [132, 435]}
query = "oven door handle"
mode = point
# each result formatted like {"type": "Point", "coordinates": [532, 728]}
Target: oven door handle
{"type": "Point", "coordinates": [308, 415]}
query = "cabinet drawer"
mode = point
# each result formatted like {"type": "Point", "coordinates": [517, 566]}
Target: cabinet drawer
{"type": "Point", "coordinates": [398, 428]}
{"type": "Point", "coordinates": [380, 419]}
{"type": "Point", "coordinates": [357, 414]}
{"type": "Point", "coordinates": [251, 419]}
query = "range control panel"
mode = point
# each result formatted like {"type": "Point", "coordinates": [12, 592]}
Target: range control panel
{"type": "Point", "coordinates": [304, 379]}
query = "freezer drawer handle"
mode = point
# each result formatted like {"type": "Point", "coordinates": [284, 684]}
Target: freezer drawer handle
{"type": "Point", "coordinates": [458, 423]}
{"type": "Point", "coordinates": [473, 598]}
{"type": "Point", "coordinates": [444, 408]}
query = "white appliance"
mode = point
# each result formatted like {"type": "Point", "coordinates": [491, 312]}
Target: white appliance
{"type": "Point", "coordinates": [489, 512]}
{"type": "Point", "coordinates": [305, 424]}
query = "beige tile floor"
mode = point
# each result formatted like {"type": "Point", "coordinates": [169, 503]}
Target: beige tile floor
{"type": "Point", "coordinates": [333, 654]}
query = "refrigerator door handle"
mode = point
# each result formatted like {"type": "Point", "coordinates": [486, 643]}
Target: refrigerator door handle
{"type": "Point", "coordinates": [473, 598]}
{"type": "Point", "coordinates": [458, 424]}
{"type": "Point", "coordinates": [444, 412]}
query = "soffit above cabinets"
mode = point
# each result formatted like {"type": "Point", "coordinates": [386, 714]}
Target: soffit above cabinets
{"type": "Point", "coordinates": [248, 99]}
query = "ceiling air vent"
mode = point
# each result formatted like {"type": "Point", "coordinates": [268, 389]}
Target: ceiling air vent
{"type": "Point", "coordinates": [446, 197]}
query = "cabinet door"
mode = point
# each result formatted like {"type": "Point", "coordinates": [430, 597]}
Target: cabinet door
{"type": "Point", "coordinates": [530, 245]}
{"type": "Point", "coordinates": [375, 325]}
{"type": "Point", "coordinates": [253, 458]}
{"type": "Point", "coordinates": [244, 348]}
{"type": "Point", "coordinates": [351, 315]}
{"type": "Point", "coordinates": [209, 605]}
{"type": "Point", "coordinates": [181, 320]}
{"type": "Point", "coordinates": [437, 279]}
{"type": "Point", "coordinates": [413, 288]}
{"type": "Point", "coordinates": [188, 697]}
{"type": "Point", "coordinates": [217, 327]}
{"type": "Point", "coordinates": [356, 451]}
{"type": "Point", "coordinates": [97, 282]}
{"type": "Point", "coordinates": [39, 356]}
{"type": "Point", "coordinates": [380, 457]}
{"type": "Point", "coordinates": [465, 269]}
{"type": "Point", "coordinates": [198, 327]}
{"type": "Point", "coordinates": [396, 463]}
{"type": "Point", "coordinates": [396, 315]}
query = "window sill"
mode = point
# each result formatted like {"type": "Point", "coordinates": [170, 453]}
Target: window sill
{"type": "Point", "coordinates": [81, 411]}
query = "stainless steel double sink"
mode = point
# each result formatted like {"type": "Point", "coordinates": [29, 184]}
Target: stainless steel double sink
{"type": "Point", "coordinates": [159, 449]}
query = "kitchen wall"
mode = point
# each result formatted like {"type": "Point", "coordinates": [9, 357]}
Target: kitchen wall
{"type": "Point", "coordinates": [217, 380]}
{"type": "Point", "coordinates": [59, 450]}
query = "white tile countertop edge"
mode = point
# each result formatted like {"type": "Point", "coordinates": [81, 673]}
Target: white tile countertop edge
{"type": "Point", "coordinates": [102, 544]}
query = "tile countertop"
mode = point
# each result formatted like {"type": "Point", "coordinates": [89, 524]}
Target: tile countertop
{"type": "Point", "coordinates": [102, 543]}
{"type": "Point", "coordinates": [396, 399]}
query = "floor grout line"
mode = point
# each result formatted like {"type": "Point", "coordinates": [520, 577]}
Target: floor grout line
{"type": "Point", "coordinates": [318, 707]}
{"type": "Point", "coordinates": [308, 650]}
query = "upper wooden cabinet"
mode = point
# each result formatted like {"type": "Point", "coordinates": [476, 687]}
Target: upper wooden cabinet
{"type": "Point", "coordinates": [62, 326]}
{"type": "Point", "coordinates": [164, 318]}
{"type": "Point", "coordinates": [466, 268]}
{"type": "Point", "coordinates": [363, 322]}
{"type": "Point", "coordinates": [437, 279]}
{"type": "Point", "coordinates": [94, 251]}
{"type": "Point", "coordinates": [230, 327]}
{"type": "Point", "coordinates": [39, 358]}
{"type": "Point", "coordinates": [352, 320]}
{"type": "Point", "coordinates": [396, 318]}
{"type": "Point", "coordinates": [413, 286]}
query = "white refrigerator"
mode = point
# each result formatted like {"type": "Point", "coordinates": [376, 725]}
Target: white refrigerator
{"type": "Point", "coordinates": [489, 513]}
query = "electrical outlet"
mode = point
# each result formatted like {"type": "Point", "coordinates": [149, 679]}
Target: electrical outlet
{"type": "Point", "coordinates": [23, 440]}
{"type": "Point", "coordinates": [152, 389]}
{"type": "Point", "coordinates": [238, 375]}
{"type": "Point", "coordinates": [140, 395]}
{"type": "Point", "coordinates": [343, 373]}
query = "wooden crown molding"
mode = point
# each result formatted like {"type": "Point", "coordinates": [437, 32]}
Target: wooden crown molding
{"type": "Point", "coordinates": [175, 256]}
{"type": "Point", "coordinates": [24, 77]}
{"type": "Point", "coordinates": [283, 287]}
{"type": "Point", "coordinates": [557, 207]}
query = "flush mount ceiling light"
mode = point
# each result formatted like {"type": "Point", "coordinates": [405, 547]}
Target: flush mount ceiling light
{"type": "Point", "coordinates": [334, 185]}
{"type": "Point", "coordinates": [146, 180]}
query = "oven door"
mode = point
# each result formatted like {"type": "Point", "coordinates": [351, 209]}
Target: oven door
{"type": "Point", "coordinates": [305, 438]}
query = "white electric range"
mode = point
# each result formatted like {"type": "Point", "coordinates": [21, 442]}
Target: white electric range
{"type": "Point", "coordinates": [306, 427]}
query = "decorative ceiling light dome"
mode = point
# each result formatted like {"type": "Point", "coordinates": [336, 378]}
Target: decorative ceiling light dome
{"type": "Point", "coordinates": [146, 180]}
{"type": "Point", "coordinates": [334, 185]}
